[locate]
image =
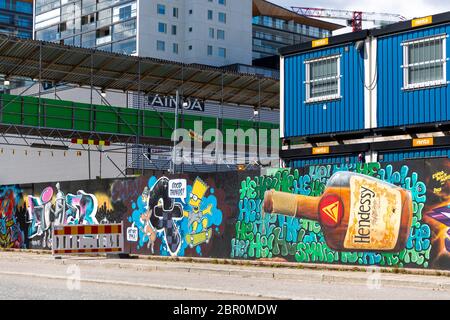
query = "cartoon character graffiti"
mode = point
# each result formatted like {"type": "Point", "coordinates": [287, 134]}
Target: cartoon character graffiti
{"type": "Point", "coordinates": [146, 227]}
{"type": "Point", "coordinates": [197, 216]}
{"type": "Point", "coordinates": [178, 214]}
{"type": "Point", "coordinates": [165, 213]}
{"type": "Point", "coordinates": [11, 236]}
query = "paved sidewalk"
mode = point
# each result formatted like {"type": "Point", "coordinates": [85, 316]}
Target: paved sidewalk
{"type": "Point", "coordinates": [312, 275]}
{"type": "Point", "coordinates": [233, 280]}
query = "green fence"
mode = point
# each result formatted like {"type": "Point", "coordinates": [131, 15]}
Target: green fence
{"type": "Point", "coordinates": [74, 116]}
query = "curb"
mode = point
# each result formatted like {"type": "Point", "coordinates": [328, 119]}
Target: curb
{"type": "Point", "coordinates": [266, 263]}
{"type": "Point", "coordinates": [319, 277]}
{"type": "Point", "coordinates": [297, 265]}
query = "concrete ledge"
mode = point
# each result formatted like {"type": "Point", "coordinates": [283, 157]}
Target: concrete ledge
{"type": "Point", "coordinates": [298, 265]}
{"type": "Point", "coordinates": [118, 256]}
{"type": "Point", "coordinates": [275, 263]}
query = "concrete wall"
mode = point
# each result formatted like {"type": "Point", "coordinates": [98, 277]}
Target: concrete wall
{"type": "Point", "coordinates": [22, 164]}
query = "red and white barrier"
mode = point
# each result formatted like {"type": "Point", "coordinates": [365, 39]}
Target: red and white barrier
{"type": "Point", "coordinates": [87, 239]}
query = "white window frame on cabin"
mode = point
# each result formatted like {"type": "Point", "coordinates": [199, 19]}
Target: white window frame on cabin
{"type": "Point", "coordinates": [309, 81]}
{"type": "Point", "coordinates": [407, 65]}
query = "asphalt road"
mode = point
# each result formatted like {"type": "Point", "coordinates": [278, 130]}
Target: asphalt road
{"type": "Point", "coordinates": [31, 276]}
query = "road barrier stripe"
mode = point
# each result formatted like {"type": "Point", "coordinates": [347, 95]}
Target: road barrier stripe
{"type": "Point", "coordinates": [103, 250]}
{"type": "Point", "coordinates": [79, 239]}
{"type": "Point", "coordinates": [82, 230]}
{"type": "Point", "coordinates": [91, 142]}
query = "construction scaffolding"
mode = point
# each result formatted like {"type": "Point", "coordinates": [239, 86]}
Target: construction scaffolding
{"type": "Point", "coordinates": [52, 123]}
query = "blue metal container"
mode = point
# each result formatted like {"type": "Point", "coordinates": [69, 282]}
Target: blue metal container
{"type": "Point", "coordinates": [341, 115]}
{"type": "Point", "coordinates": [415, 154]}
{"type": "Point", "coordinates": [350, 159]}
{"type": "Point", "coordinates": [397, 106]}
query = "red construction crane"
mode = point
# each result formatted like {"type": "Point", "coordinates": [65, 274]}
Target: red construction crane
{"type": "Point", "coordinates": [354, 18]}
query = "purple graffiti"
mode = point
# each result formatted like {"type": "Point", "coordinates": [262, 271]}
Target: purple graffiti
{"type": "Point", "coordinates": [442, 215]}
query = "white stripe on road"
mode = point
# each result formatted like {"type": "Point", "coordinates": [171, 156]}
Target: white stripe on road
{"type": "Point", "coordinates": [152, 286]}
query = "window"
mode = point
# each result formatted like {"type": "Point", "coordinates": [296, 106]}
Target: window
{"type": "Point", "coordinates": [424, 62]}
{"type": "Point", "coordinates": [88, 19]}
{"type": "Point", "coordinates": [62, 27]}
{"type": "Point", "coordinates": [175, 12]}
{"type": "Point", "coordinates": [125, 13]}
{"type": "Point", "coordinates": [160, 45]}
{"type": "Point", "coordinates": [222, 52]}
{"type": "Point", "coordinates": [161, 9]}
{"type": "Point", "coordinates": [279, 24]}
{"type": "Point", "coordinates": [119, 13]}
{"type": "Point", "coordinates": [174, 30]}
{"type": "Point", "coordinates": [126, 47]}
{"type": "Point", "coordinates": [210, 14]}
{"type": "Point", "coordinates": [222, 17]}
{"type": "Point", "coordinates": [222, 2]}
{"type": "Point", "coordinates": [175, 48]}
{"type": "Point", "coordinates": [210, 51]}
{"type": "Point", "coordinates": [103, 32]}
{"type": "Point", "coordinates": [162, 27]}
{"type": "Point", "coordinates": [323, 79]}
{"type": "Point", "coordinates": [23, 7]}
{"type": "Point", "coordinates": [211, 33]}
{"type": "Point", "coordinates": [221, 34]}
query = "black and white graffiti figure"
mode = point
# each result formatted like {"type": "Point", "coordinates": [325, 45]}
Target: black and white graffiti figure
{"type": "Point", "coordinates": [165, 214]}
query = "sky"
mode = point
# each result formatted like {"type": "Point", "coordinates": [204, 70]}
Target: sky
{"type": "Point", "coordinates": [408, 8]}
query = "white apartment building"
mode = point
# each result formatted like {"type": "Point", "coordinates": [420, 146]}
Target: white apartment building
{"type": "Point", "coordinates": [211, 32]}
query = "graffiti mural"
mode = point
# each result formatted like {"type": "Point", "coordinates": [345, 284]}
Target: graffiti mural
{"type": "Point", "coordinates": [384, 214]}
{"type": "Point", "coordinates": [11, 234]}
{"type": "Point", "coordinates": [49, 210]}
{"type": "Point", "coordinates": [180, 215]}
{"type": "Point", "coordinates": [53, 207]}
{"type": "Point", "coordinates": [317, 235]}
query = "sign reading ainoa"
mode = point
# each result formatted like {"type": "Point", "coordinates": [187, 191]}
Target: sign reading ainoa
{"type": "Point", "coordinates": [171, 102]}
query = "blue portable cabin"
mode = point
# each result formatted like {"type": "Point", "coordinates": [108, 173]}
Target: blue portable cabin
{"type": "Point", "coordinates": [413, 72]}
{"type": "Point", "coordinates": [322, 86]}
{"type": "Point", "coordinates": [322, 94]}
{"type": "Point", "coordinates": [400, 87]}
{"type": "Point", "coordinates": [413, 91]}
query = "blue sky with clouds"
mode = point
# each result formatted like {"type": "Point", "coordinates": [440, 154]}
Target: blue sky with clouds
{"type": "Point", "coordinates": [407, 8]}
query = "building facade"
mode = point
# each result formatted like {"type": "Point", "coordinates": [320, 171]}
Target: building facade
{"type": "Point", "coordinates": [16, 18]}
{"type": "Point", "coordinates": [376, 95]}
{"type": "Point", "coordinates": [275, 27]}
{"type": "Point", "coordinates": [212, 32]}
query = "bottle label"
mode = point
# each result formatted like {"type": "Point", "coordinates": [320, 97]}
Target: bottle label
{"type": "Point", "coordinates": [375, 215]}
{"type": "Point", "coordinates": [331, 210]}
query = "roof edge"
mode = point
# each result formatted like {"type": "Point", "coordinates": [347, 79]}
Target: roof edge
{"type": "Point", "coordinates": [390, 29]}
{"type": "Point", "coordinates": [332, 41]}
{"type": "Point", "coordinates": [408, 25]}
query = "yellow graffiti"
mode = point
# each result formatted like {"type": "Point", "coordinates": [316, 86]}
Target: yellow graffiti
{"type": "Point", "coordinates": [104, 200]}
{"type": "Point", "coordinates": [441, 177]}
{"type": "Point", "coordinates": [196, 215]}
{"type": "Point", "coordinates": [437, 190]}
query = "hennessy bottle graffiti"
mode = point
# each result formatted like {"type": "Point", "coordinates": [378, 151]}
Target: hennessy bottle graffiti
{"type": "Point", "coordinates": [356, 212]}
